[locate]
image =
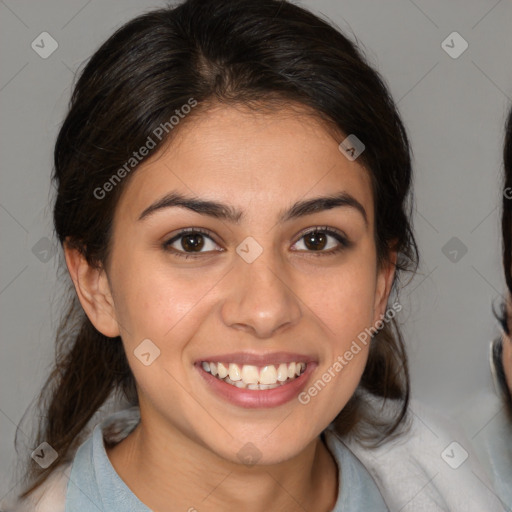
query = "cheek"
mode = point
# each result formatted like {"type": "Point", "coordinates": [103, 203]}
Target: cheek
{"type": "Point", "coordinates": [167, 308]}
{"type": "Point", "coordinates": [344, 300]}
{"type": "Point", "coordinates": [152, 297]}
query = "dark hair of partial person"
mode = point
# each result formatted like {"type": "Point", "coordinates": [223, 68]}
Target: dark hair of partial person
{"type": "Point", "coordinates": [264, 55]}
{"type": "Point", "coordinates": [506, 214]}
{"type": "Point", "coordinates": [500, 376]}
{"type": "Point", "coordinates": [504, 315]}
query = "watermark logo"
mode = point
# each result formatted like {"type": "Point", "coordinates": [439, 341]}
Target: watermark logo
{"type": "Point", "coordinates": [249, 454]}
{"type": "Point", "coordinates": [44, 455]}
{"type": "Point", "coordinates": [454, 455]}
{"type": "Point", "coordinates": [249, 250]}
{"type": "Point", "coordinates": [146, 352]}
{"type": "Point", "coordinates": [44, 45]}
{"type": "Point", "coordinates": [44, 250]}
{"type": "Point", "coordinates": [454, 249]}
{"type": "Point", "coordinates": [351, 147]}
{"type": "Point", "coordinates": [454, 45]}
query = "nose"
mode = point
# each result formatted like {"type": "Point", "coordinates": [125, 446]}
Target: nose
{"type": "Point", "coordinates": [261, 299]}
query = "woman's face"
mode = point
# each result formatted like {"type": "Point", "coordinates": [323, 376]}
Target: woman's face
{"type": "Point", "coordinates": [252, 291]}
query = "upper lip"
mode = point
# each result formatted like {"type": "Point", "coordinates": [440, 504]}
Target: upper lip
{"type": "Point", "coordinates": [242, 358]}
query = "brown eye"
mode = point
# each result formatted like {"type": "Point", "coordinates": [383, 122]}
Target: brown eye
{"type": "Point", "coordinates": [316, 240]}
{"type": "Point", "coordinates": [194, 242]}
{"type": "Point", "coordinates": [191, 243]}
{"type": "Point", "coordinates": [323, 241]}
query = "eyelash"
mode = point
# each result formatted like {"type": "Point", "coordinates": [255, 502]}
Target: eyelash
{"type": "Point", "coordinates": [344, 243]}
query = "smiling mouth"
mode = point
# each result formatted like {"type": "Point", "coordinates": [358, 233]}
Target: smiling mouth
{"type": "Point", "coordinates": [254, 377]}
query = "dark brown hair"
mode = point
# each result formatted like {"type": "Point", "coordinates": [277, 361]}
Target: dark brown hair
{"type": "Point", "coordinates": [504, 314]}
{"type": "Point", "coordinates": [222, 51]}
{"type": "Point", "coordinates": [506, 215]}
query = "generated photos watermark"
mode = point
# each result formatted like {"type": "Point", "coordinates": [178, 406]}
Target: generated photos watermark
{"type": "Point", "coordinates": [343, 360]}
{"type": "Point", "coordinates": [137, 156]}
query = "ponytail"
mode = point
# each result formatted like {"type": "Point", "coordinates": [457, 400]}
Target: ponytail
{"type": "Point", "coordinates": [86, 373]}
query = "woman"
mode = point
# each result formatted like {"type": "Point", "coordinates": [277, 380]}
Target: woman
{"type": "Point", "coordinates": [494, 442]}
{"type": "Point", "coordinates": [233, 202]}
{"type": "Point", "coordinates": [502, 347]}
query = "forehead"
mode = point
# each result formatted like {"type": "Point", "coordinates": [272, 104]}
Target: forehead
{"type": "Point", "coordinates": [247, 159]}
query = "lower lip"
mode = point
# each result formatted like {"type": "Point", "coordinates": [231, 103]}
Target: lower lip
{"type": "Point", "coordinates": [249, 398]}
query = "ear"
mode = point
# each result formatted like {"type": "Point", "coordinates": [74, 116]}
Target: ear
{"type": "Point", "coordinates": [385, 277]}
{"type": "Point", "coordinates": [93, 290]}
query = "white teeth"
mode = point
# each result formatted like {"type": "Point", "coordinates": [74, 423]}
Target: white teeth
{"type": "Point", "coordinates": [282, 372]}
{"type": "Point", "coordinates": [268, 375]}
{"type": "Point", "coordinates": [251, 377]}
{"type": "Point", "coordinates": [261, 387]}
{"type": "Point", "coordinates": [223, 371]}
{"type": "Point", "coordinates": [234, 372]}
{"type": "Point", "coordinates": [250, 374]}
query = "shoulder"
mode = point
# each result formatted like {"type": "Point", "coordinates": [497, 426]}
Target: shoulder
{"type": "Point", "coordinates": [49, 497]}
{"type": "Point", "coordinates": [486, 423]}
{"type": "Point", "coordinates": [429, 467]}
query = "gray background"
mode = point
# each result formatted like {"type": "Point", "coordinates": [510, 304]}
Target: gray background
{"type": "Point", "coordinates": [454, 110]}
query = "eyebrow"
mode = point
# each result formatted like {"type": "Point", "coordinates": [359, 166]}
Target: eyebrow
{"type": "Point", "coordinates": [228, 213]}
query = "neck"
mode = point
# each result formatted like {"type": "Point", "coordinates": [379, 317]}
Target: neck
{"type": "Point", "coordinates": [168, 471]}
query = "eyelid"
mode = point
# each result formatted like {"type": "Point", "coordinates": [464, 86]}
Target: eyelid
{"type": "Point", "coordinates": [342, 238]}
{"type": "Point", "coordinates": [312, 229]}
{"type": "Point", "coordinates": [182, 232]}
